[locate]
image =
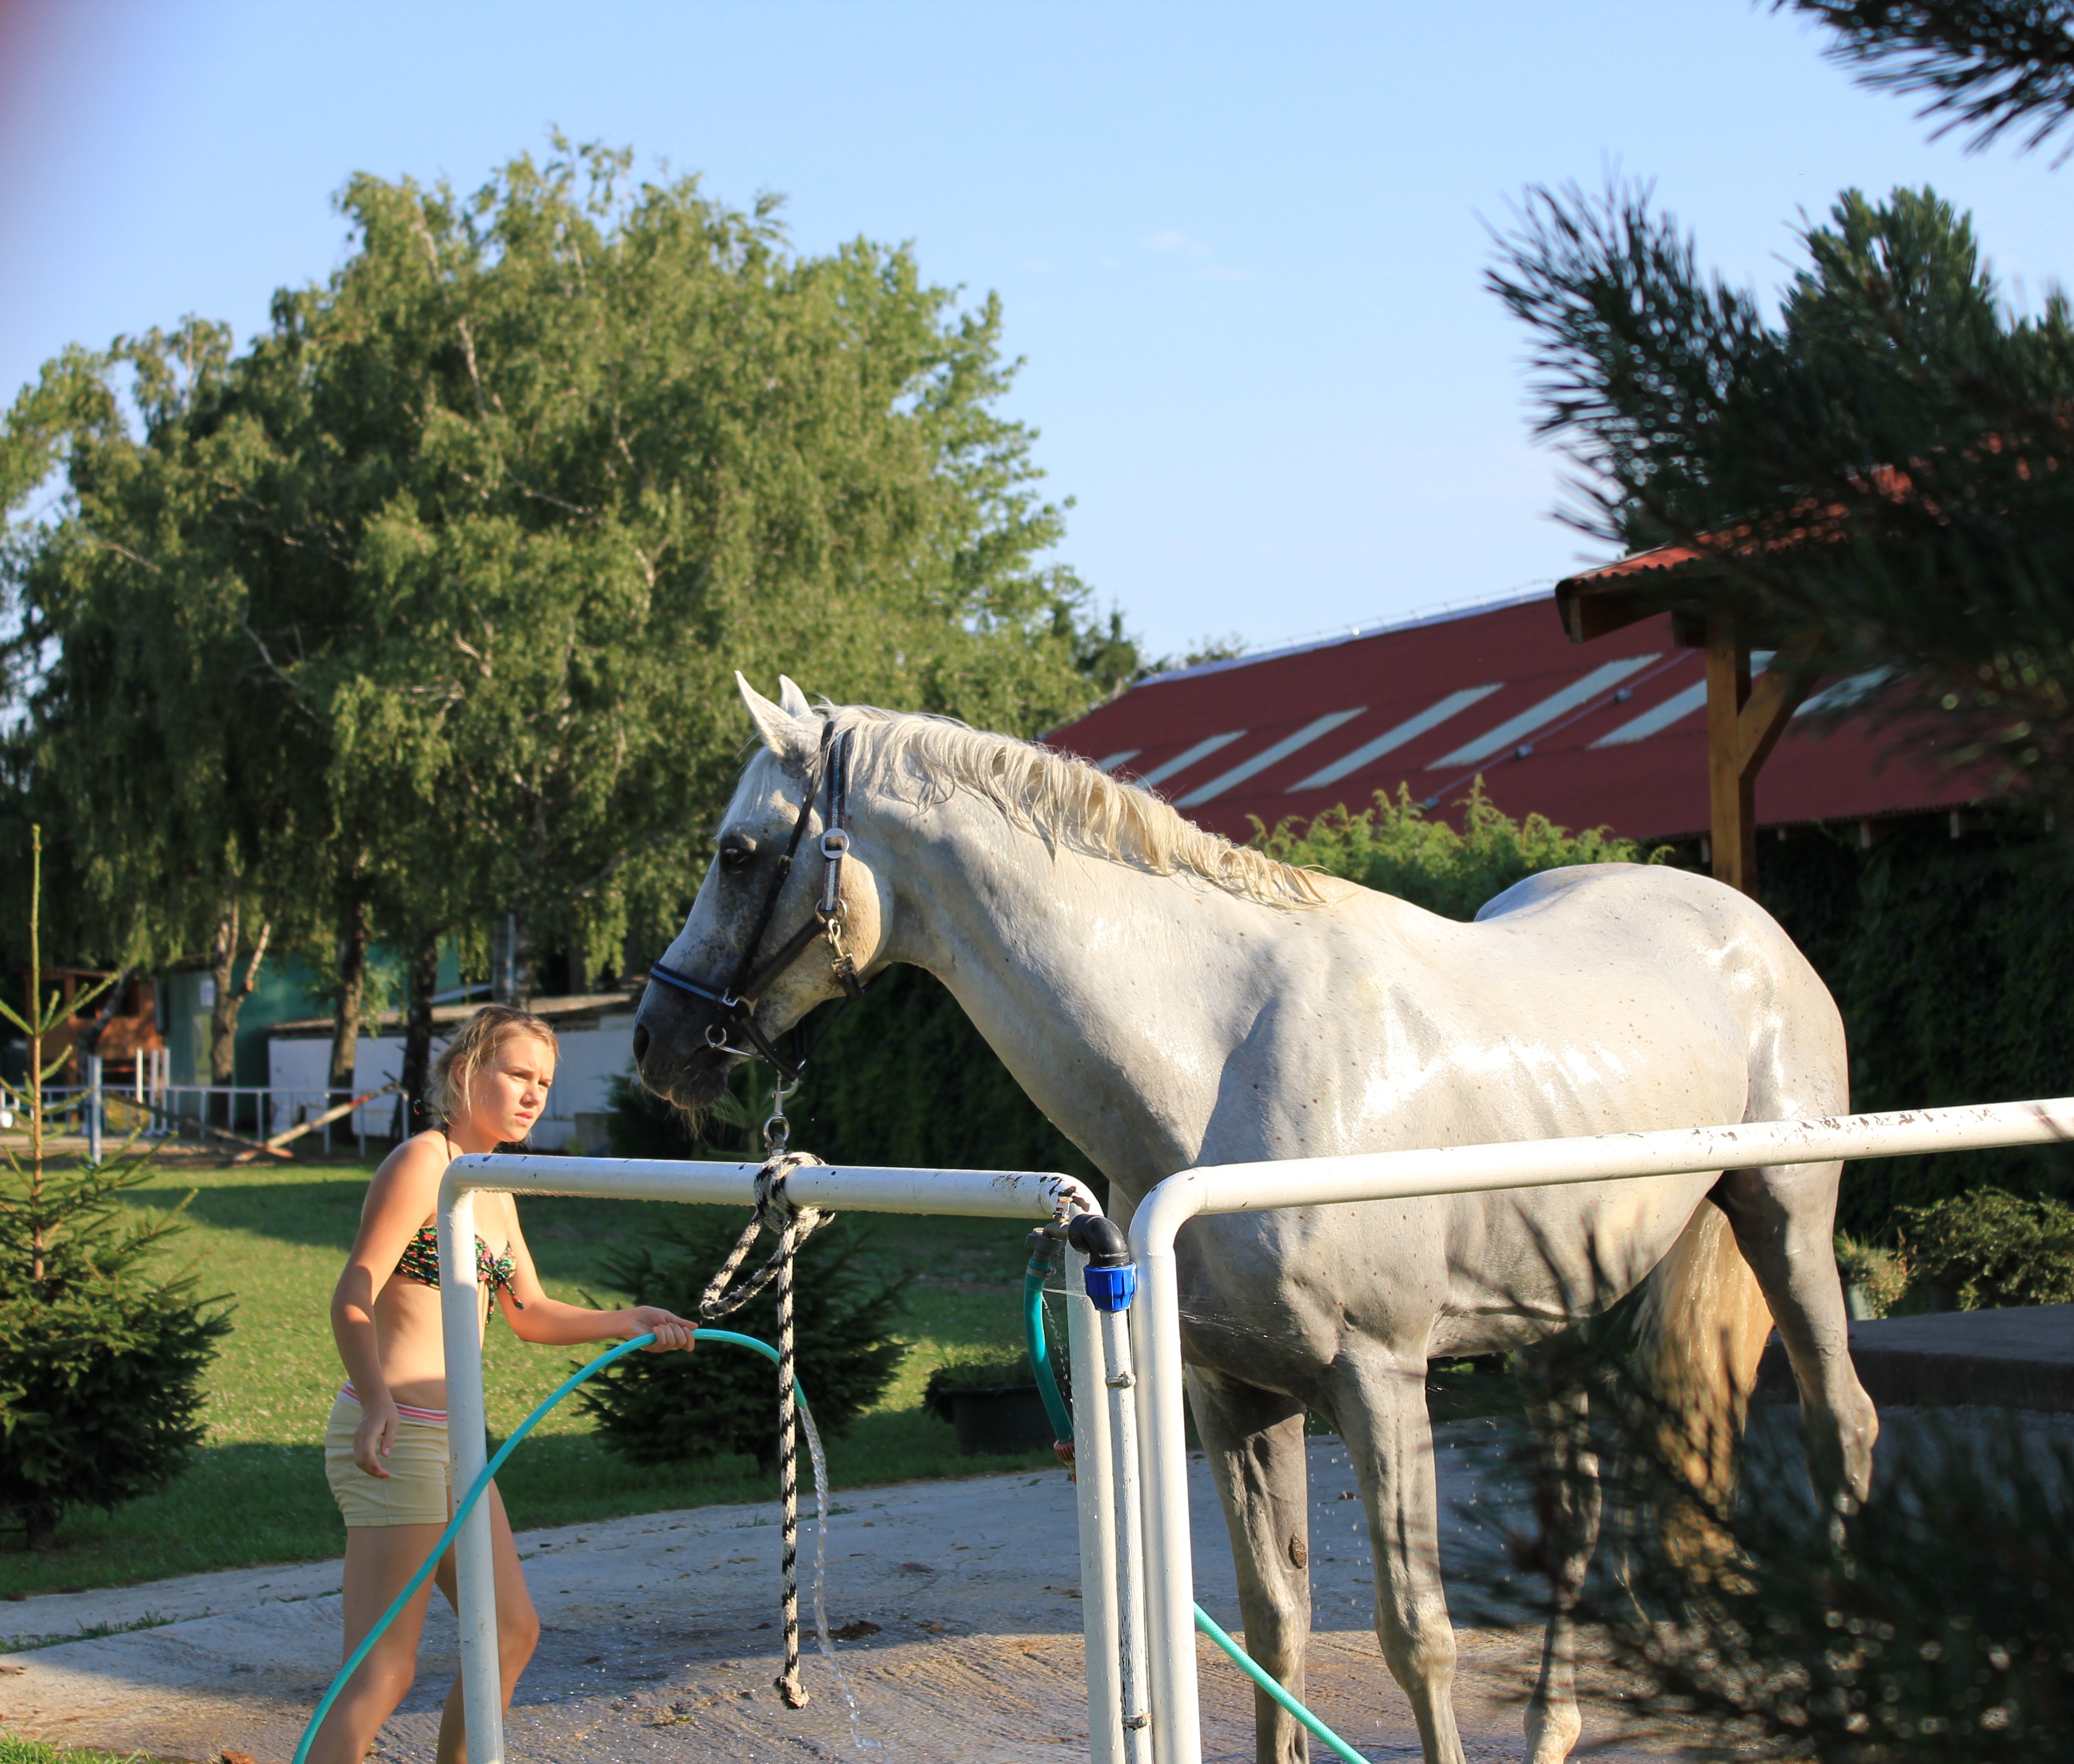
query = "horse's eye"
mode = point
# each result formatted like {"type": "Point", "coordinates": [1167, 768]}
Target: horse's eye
{"type": "Point", "coordinates": [736, 850]}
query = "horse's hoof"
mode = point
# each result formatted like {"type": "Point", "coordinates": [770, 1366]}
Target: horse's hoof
{"type": "Point", "coordinates": [1552, 1734]}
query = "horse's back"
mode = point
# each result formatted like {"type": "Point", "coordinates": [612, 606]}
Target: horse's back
{"type": "Point", "coordinates": [1710, 942]}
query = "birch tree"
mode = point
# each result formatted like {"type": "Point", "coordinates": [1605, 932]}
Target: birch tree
{"type": "Point", "coordinates": [477, 531]}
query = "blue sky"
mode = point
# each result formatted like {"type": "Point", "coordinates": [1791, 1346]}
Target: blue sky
{"type": "Point", "coordinates": [1240, 246]}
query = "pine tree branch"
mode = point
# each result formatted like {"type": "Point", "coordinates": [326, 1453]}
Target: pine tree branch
{"type": "Point", "coordinates": [1992, 66]}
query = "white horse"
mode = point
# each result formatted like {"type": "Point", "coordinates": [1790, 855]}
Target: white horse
{"type": "Point", "coordinates": [1169, 999]}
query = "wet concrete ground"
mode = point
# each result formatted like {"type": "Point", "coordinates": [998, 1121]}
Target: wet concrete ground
{"type": "Point", "coordinates": [960, 1601]}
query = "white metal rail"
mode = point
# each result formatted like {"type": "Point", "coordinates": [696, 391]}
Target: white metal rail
{"type": "Point", "coordinates": [1309, 1182]}
{"type": "Point", "coordinates": [1012, 1194]}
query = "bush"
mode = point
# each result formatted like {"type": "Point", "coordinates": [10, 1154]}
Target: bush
{"type": "Point", "coordinates": [1880, 1276]}
{"type": "Point", "coordinates": [1992, 1248]}
{"type": "Point", "coordinates": [1392, 847]}
{"type": "Point", "coordinates": [101, 1363]}
{"type": "Point", "coordinates": [672, 1408]}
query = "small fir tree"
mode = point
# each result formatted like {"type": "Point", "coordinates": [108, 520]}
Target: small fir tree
{"type": "Point", "coordinates": [100, 1360]}
{"type": "Point", "coordinates": [669, 1408]}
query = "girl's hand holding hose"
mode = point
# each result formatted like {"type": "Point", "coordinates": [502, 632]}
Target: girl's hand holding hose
{"type": "Point", "coordinates": [671, 1331]}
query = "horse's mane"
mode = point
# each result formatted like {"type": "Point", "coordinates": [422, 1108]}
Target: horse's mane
{"type": "Point", "coordinates": [1061, 798]}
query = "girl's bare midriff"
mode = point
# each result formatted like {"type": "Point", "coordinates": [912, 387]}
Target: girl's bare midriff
{"type": "Point", "coordinates": [408, 1325]}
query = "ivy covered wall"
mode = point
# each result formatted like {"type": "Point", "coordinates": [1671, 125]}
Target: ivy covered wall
{"type": "Point", "coordinates": [1952, 961]}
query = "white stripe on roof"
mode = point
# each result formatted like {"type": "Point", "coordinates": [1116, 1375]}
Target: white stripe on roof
{"type": "Point", "coordinates": [1182, 761]}
{"type": "Point", "coordinates": [1115, 760]}
{"type": "Point", "coordinates": [1515, 728]}
{"type": "Point", "coordinates": [1674, 708]}
{"type": "Point", "coordinates": [1410, 730]}
{"type": "Point", "coordinates": [1270, 756]}
{"type": "Point", "coordinates": [1846, 692]}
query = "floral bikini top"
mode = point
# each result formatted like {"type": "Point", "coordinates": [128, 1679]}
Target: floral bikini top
{"type": "Point", "coordinates": [419, 1264]}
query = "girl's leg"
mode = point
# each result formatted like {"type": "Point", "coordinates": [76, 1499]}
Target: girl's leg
{"type": "Point", "coordinates": [378, 1560]}
{"type": "Point", "coordinates": [518, 1626]}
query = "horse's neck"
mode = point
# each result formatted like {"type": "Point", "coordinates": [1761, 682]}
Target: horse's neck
{"type": "Point", "coordinates": [1113, 996]}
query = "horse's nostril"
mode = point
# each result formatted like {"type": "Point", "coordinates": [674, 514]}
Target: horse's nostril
{"type": "Point", "coordinates": [640, 1043]}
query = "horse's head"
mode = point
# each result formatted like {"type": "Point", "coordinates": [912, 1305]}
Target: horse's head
{"type": "Point", "coordinates": [753, 958]}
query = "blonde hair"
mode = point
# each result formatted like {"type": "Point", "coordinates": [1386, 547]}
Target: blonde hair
{"type": "Point", "coordinates": [478, 1039]}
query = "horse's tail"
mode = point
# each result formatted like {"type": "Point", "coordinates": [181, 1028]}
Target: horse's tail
{"type": "Point", "coordinates": [1699, 1331]}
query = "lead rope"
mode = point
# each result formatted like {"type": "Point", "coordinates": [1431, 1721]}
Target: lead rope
{"type": "Point", "coordinates": [794, 1226]}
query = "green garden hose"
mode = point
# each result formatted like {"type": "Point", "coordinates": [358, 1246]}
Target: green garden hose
{"type": "Point", "coordinates": [467, 1505]}
{"type": "Point", "coordinates": [1047, 1384]}
{"type": "Point", "coordinates": [1254, 1669]}
{"type": "Point", "coordinates": [1040, 1351]}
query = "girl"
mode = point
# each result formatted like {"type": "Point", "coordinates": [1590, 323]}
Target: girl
{"type": "Point", "coordinates": [385, 1447]}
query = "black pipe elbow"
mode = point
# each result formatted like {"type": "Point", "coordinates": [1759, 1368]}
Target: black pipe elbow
{"type": "Point", "coordinates": [1101, 1241]}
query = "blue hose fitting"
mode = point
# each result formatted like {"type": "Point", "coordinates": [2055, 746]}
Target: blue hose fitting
{"type": "Point", "coordinates": [1111, 1276]}
{"type": "Point", "coordinates": [1112, 1289]}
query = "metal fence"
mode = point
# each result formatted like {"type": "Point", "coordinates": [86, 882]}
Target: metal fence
{"type": "Point", "coordinates": [149, 1106]}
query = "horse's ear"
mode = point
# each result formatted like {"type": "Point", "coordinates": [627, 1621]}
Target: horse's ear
{"type": "Point", "coordinates": [792, 699]}
{"type": "Point", "coordinates": [793, 739]}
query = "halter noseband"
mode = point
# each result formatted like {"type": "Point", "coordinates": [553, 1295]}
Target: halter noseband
{"type": "Point", "coordinates": [737, 998]}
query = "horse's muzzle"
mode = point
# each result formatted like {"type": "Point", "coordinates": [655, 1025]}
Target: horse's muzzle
{"type": "Point", "coordinates": [679, 1048]}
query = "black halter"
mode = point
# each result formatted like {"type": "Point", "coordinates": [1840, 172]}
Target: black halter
{"type": "Point", "coordinates": [737, 998]}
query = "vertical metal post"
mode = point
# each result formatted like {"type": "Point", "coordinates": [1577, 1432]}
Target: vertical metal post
{"type": "Point", "coordinates": [1121, 1393]}
{"type": "Point", "coordinates": [1094, 1461]}
{"type": "Point", "coordinates": [468, 1435]}
{"type": "Point", "coordinates": [93, 1107]}
{"type": "Point", "coordinates": [1170, 1587]}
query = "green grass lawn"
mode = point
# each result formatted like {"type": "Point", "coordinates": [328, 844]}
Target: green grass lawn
{"type": "Point", "coordinates": [274, 1240]}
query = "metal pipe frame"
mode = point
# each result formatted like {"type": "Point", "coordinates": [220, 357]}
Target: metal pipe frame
{"type": "Point", "coordinates": [1008, 1194]}
{"type": "Point", "coordinates": [1389, 1176]}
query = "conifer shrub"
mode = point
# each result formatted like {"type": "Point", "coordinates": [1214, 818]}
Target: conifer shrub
{"type": "Point", "coordinates": [674, 1408]}
{"type": "Point", "coordinates": [1932, 1624]}
{"type": "Point", "coordinates": [102, 1355]}
{"type": "Point", "coordinates": [1991, 1249]}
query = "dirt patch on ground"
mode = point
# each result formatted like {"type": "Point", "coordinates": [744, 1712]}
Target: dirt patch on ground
{"type": "Point", "coordinates": [960, 1600]}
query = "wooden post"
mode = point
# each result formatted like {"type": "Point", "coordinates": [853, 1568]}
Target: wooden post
{"type": "Point", "coordinates": [1731, 790]}
{"type": "Point", "coordinates": [1743, 725]}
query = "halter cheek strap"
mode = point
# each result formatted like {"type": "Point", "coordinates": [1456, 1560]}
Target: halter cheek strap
{"type": "Point", "coordinates": [737, 999]}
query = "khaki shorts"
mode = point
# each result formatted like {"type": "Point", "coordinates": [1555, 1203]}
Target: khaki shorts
{"type": "Point", "coordinates": [416, 1490]}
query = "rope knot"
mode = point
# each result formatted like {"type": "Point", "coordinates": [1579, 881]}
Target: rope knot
{"type": "Point", "coordinates": [775, 1210]}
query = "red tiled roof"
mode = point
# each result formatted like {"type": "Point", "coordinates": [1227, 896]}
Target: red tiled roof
{"type": "Point", "coordinates": [1613, 734]}
{"type": "Point", "coordinates": [1808, 519]}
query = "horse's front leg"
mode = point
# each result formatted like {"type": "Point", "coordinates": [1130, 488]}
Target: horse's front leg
{"type": "Point", "coordinates": [1254, 1438]}
{"type": "Point", "coordinates": [1569, 1501]}
{"type": "Point", "coordinates": [1381, 1407]}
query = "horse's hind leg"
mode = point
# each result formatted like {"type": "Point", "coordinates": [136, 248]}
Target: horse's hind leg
{"type": "Point", "coordinates": [1254, 1438]}
{"type": "Point", "coordinates": [1382, 1412]}
{"type": "Point", "coordinates": [1567, 1498]}
{"type": "Point", "coordinates": [1784, 1218]}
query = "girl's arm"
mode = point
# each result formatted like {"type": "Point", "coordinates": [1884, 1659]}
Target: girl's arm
{"type": "Point", "coordinates": [549, 1323]}
{"type": "Point", "coordinates": [397, 1200]}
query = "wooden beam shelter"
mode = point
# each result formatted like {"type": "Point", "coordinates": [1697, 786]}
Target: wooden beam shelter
{"type": "Point", "coordinates": [1745, 715]}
